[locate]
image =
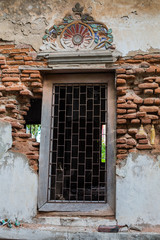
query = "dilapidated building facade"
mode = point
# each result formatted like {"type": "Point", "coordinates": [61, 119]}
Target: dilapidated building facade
{"type": "Point", "coordinates": [94, 70]}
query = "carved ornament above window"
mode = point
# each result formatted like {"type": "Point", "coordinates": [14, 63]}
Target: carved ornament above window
{"type": "Point", "coordinates": [77, 32]}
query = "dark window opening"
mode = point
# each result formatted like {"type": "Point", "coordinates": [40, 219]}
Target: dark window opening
{"type": "Point", "coordinates": [33, 119]}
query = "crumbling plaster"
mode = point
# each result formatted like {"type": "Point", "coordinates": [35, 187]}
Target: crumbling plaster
{"type": "Point", "coordinates": [18, 189]}
{"type": "Point", "coordinates": [135, 23]}
{"type": "Point", "coordinates": [138, 190]}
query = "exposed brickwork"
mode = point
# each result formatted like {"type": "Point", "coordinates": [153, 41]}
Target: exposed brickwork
{"type": "Point", "coordinates": [138, 102]}
{"type": "Point", "coordinates": [16, 89]}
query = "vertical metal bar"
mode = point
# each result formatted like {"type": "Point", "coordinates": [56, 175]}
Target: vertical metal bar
{"type": "Point", "coordinates": [51, 142]}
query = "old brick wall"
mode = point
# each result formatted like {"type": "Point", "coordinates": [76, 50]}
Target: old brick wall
{"type": "Point", "coordinates": [138, 101]}
{"type": "Point", "coordinates": [16, 89]}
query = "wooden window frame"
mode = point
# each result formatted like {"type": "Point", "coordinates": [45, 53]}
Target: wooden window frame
{"type": "Point", "coordinates": [43, 203]}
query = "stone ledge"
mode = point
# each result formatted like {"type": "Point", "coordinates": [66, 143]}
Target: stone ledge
{"type": "Point", "coordinates": [68, 233]}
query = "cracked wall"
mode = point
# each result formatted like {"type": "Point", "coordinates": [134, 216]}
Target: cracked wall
{"type": "Point", "coordinates": [135, 24]}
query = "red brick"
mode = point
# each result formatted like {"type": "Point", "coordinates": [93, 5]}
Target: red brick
{"type": "Point", "coordinates": [149, 78]}
{"type": "Point", "coordinates": [32, 63]}
{"type": "Point", "coordinates": [2, 58]}
{"type": "Point", "coordinates": [143, 141]}
{"type": "Point", "coordinates": [131, 110]}
{"type": "Point", "coordinates": [133, 150]}
{"type": "Point", "coordinates": [23, 113]}
{"type": "Point", "coordinates": [30, 71]}
{"type": "Point", "coordinates": [157, 91]}
{"type": "Point", "coordinates": [141, 136]}
{"type": "Point", "coordinates": [153, 117]}
{"type": "Point", "coordinates": [130, 116]}
{"type": "Point", "coordinates": [10, 106]}
{"type": "Point", "coordinates": [16, 125]}
{"type": "Point", "coordinates": [26, 92]}
{"type": "Point", "coordinates": [10, 79]}
{"type": "Point", "coordinates": [2, 110]}
{"type": "Point", "coordinates": [24, 135]}
{"type": "Point", "coordinates": [36, 144]}
{"type": "Point", "coordinates": [7, 46]}
{"type": "Point", "coordinates": [121, 131]}
{"type": "Point", "coordinates": [149, 109]}
{"type": "Point", "coordinates": [14, 88]}
{"type": "Point", "coordinates": [145, 120]}
{"type": "Point", "coordinates": [135, 121]}
{"type": "Point", "coordinates": [138, 100]}
{"type": "Point", "coordinates": [122, 88]}
{"type": "Point", "coordinates": [158, 79]}
{"type": "Point", "coordinates": [121, 145]}
{"type": "Point", "coordinates": [2, 62]}
{"type": "Point", "coordinates": [132, 61]}
{"type": "Point", "coordinates": [121, 111]}
{"type": "Point", "coordinates": [126, 76]}
{"type": "Point", "coordinates": [15, 62]}
{"type": "Point", "coordinates": [149, 101]}
{"type": "Point", "coordinates": [34, 157]}
{"type": "Point", "coordinates": [2, 88]}
{"type": "Point", "coordinates": [121, 121]}
{"type": "Point", "coordinates": [18, 57]}
{"type": "Point", "coordinates": [121, 140]}
{"type": "Point", "coordinates": [127, 105]}
{"type": "Point", "coordinates": [27, 58]}
{"type": "Point", "coordinates": [144, 146]}
{"type": "Point", "coordinates": [120, 70]}
{"type": "Point", "coordinates": [148, 91]}
{"type": "Point", "coordinates": [131, 141]}
{"type": "Point", "coordinates": [121, 100]}
{"type": "Point", "coordinates": [151, 69]}
{"type": "Point", "coordinates": [121, 81]}
{"type": "Point", "coordinates": [122, 156]}
{"type": "Point", "coordinates": [122, 151]}
{"type": "Point", "coordinates": [121, 92]}
{"type": "Point", "coordinates": [35, 75]}
{"type": "Point", "coordinates": [132, 131]}
{"type": "Point", "coordinates": [25, 79]}
{"type": "Point", "coordinates": [24, 75]}
{"type": "Point", "coordinates": [138, 56]}
{"type": "Point", "coordinates": [157, 101]}
{"type": "Point", "coordinates": [148, 85]}
{"type": "Point", "coordinates": [36, 84]}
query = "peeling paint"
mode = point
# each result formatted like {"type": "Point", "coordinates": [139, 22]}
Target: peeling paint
{"type": "Point", "coordinates": [135, 24]}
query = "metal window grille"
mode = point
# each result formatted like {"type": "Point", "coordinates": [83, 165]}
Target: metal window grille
{"type": "Point", "coordinates": [77, 170]}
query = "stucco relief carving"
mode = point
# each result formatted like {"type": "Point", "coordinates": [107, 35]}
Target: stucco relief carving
{"type": "Point", "coordinates": [77, 32]}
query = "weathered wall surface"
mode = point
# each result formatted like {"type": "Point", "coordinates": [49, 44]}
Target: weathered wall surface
{"type": "Point", "coordinates": [138, 190]}
{"type": "Point", "coordinates": [135, 23]}
{"type": "Point", "coordinates": [136, 34]}
{"type": "Point", "coordinates": [18, 189]}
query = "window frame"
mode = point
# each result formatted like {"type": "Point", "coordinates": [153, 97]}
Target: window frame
{"type": "Point", "coordinates": [49, 80]}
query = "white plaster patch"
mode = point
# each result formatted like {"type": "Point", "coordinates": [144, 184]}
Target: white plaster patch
{"type": "Point", "coordinates": [138, 191]}
{"type": "Point", "coordinates": [5, 137]}
{"type": "Point", "coordinates": [18, 189]}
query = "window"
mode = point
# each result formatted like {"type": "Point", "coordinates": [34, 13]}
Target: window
{"type": "Point", "coordinates": [74, 155]}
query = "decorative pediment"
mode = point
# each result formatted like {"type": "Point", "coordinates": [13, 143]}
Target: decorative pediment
{"type": "Point", "coordinates": [77, 32]}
